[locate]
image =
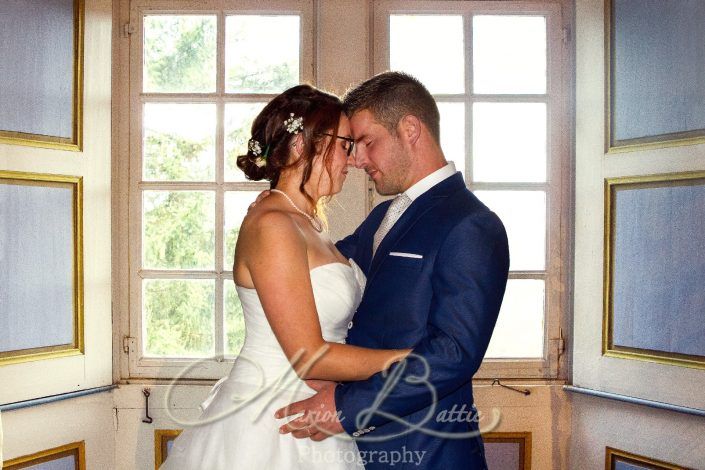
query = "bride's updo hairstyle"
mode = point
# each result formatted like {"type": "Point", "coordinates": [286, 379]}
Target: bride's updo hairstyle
{"type": "Point", "coordinates": [269, 146]}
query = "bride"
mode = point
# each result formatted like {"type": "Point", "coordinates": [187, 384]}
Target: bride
{"type": "Point", "coordinates": [298, 295]}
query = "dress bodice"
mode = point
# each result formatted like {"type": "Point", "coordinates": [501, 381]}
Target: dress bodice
{"type": "Point", "coordinates": [337, 291]}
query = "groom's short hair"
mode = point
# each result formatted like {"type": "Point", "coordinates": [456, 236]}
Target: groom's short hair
{"type": "Point", "coordinates": [390, 96]}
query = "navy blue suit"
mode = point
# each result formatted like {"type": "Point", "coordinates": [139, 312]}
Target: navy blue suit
{"type": "Point", "coordinates": [444, 305]}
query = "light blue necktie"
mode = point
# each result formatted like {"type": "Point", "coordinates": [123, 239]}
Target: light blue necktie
{"type": "Point", "coordinates": [395, 210]}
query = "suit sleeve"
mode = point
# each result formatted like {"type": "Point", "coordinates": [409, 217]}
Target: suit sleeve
{"type": "Point", "coordinates": [348, 245]}
{"type": "Point", "coordinates": [469, 279]}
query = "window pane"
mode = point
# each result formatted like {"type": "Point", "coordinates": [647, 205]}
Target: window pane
{"type": "Point", "coordinates": [234, 321]}
{"type": "Point", "coordinates": [179, 54]}
{"type": "Point", "coordinates": [509, 54]}
{"type": "Point", "coordinates": [509, 142]}
{"type": "Point", "coordinates": [236, 204]}
{"type": "Point", "coordinates": [178, 230]}
{"type": "Point", "coordinates": [261, 53]}
{"type": "Point", "coordinates": [453, 133]}
{"type": "Point", "coordinates": [238, 122]}
{"type": "Point", "coordinates": [429, 47]}
{"type": "Point", "coordinates": [524, 216]}
{"type": "Point", "coordinates": [519, 329]}
{"type": "Point", "coordinates": [178, 317]}
{"type": "Point", "coordinates": [179, 142]}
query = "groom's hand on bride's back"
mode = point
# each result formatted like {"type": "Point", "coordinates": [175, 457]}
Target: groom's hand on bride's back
{"type": "Point", "coordinates": [320, 417]}
{"type": "Point", "coordinates": [261, 196]}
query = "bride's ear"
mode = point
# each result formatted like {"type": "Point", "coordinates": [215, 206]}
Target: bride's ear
{"type": "Point", "coordinates": [297, 144]}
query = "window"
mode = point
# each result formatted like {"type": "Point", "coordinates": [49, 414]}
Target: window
{"type": "Point", "coordinates": [494, 69]}
{"type": "Point", "coordinates": [197, 79]}
{"type": "Point", "coordinates": [197, 76]}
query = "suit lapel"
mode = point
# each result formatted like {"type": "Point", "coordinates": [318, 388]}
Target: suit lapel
{"type": "Point", "coordinates": [413, 213]}
{"type": "Point", "coordinates": [365, 249]}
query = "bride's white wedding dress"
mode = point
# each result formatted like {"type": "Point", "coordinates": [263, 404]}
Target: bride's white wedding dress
{"type": "Point", "coordinates": [240, 430]}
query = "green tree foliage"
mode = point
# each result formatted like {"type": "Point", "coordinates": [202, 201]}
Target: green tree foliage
{"type": "Point", "coordinates": [179, 315]}
{"type": "Point", "coordinates": [263, 79]}
{"type": "Point", "coordinates": [179, 54]}
{"type": "Point", "coordinates": [168, 157]}
{"type": "Point", "coordinates": [178, 232]}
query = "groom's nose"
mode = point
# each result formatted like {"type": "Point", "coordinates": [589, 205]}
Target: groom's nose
{"type": "Point", "coordinates": [359, 159]}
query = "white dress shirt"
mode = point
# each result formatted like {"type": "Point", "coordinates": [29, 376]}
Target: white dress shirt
{"type": "Point", "coordinates": [429, 181]}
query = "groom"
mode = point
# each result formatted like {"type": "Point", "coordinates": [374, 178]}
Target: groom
{"type": "Point", "coordinates": [436, 261]}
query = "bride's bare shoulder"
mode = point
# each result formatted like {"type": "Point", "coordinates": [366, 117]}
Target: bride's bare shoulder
{"type": "Point", "coordinates": [269, 221]}
{"type": "Point", "coordinates": [266, 233]}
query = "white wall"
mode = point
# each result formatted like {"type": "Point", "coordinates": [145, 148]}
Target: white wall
{"type": "Point", "coordinates": [88, 419]}
{"type": "Point", "coordinates": [545, 413]}
{"type": "Point", "coordinates": [664, 435]}
{"type": "Point", "coordinates": [599, 422]}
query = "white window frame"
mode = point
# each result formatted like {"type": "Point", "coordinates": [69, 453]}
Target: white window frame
{"type": "Point", "coordinates": [127, 256]}
{"type": "Point", "coordinates": [557, 185]}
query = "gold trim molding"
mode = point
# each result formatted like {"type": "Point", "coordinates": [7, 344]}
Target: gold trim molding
{"type": "Point", "coordinates": [75, 183]}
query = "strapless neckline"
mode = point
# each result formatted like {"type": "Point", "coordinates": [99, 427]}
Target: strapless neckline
{"type": "Point", "coordinates": [310, 271]}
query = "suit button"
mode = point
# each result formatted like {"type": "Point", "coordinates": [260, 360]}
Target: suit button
{"type": "Point", "coordinates": [372, 428]}
{"type": "Point", "coordinates": [356, 434]}
{"type": "Point", "coordinates": [350, 325]}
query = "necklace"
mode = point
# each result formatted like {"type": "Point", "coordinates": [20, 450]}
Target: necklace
{"type": "Point", "coordinates": [314, 221]}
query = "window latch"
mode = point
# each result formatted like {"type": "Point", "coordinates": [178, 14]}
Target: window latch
{"type": "Point", "coordinates": [526, 391]}
{"type": "Point", "coordinates": [128, 29]}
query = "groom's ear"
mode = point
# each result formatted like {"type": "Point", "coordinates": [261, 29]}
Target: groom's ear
{"type": "Point", "coordinates": [409, 128]}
